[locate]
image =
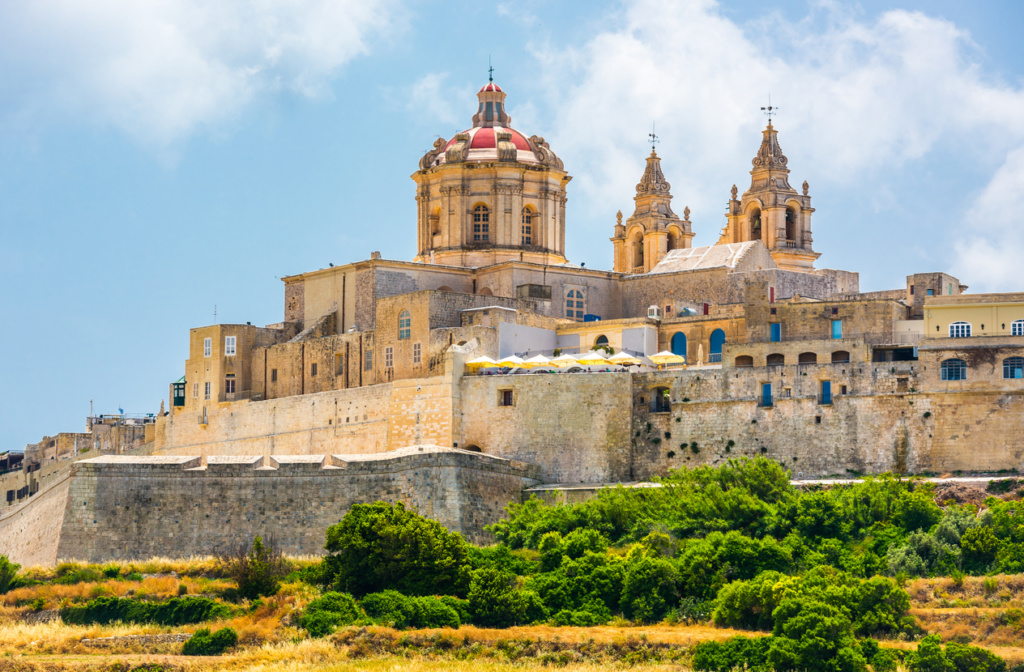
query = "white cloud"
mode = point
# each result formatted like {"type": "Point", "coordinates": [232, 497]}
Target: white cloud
{"type": "Point", "coordinates": [990, 257]}
{"type": "Point", "coordinates": [432, 95]}
{"type": "Point", "coordinates": [859, 99]}
{"type": "Point", "coordinates": [160, 69]}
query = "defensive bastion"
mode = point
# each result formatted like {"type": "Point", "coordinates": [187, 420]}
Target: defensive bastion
{"type": "Point", "coordinates": [122, 507]}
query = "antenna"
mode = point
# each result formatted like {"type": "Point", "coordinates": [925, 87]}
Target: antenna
{"type": "Point", "coordinates": [770, 111]}
{"type": "Point", "coordinates": [490, 69]}
{"type": "Point", "coordinates": [215, 313]}
{"type": "Point", "coordinates": [653, 137]}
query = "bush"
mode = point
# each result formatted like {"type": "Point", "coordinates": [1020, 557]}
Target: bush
{"type": "Point", "coordinates": [459, 606]}
{"type": "Point", "coordinates": [979, 547]}
{"type": "Point", "coordinates": [494, 601]}
{"type": "Point", "coordinates": [649, 589]}
{"type": "Point", "coordinates": [175, 611]}
{"type": "Point", "coordinates": [257, 569]}
{"type": "Point", "coordinates": [323, 615]}
{"type": "Point", "coordinates": [736, 653]}
{"type": "Point", "coordinates": [392, 608]}
{"type": "Point", "coordinates": [383, 546]}
{"type": "Point", "coordinates": [202, 643]}
{"type": "Point", "coordinates": [8, 574]}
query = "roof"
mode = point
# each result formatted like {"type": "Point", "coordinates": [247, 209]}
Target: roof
{"type": "Point", "coordinates": [490, 86]}
{"type": "Point", "coordinates": [749, 256]}
{"type": "Point", "coordinates": [483, 145]}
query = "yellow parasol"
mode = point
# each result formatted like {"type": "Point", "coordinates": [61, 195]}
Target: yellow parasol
{"type": "Point", "coordinates": [666, 357]}
{"type": "Point", "coordinates": [623, 359]}
{"type": "Point", "coordinates": [592, 359]}
{"type": "Point", "coordinates": [537, 361]}
{"type": "Point", "coordinates": [510, 362]}
{"type": "Point", "coordinates": [480, 363]}
{"type": "Point", "coordinates": [563, 361]}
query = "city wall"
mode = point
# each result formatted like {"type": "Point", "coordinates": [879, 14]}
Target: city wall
{"type": "Point", "coordinates": [127, 507]}
{"type": "Point", "coordinates": [30, 531]}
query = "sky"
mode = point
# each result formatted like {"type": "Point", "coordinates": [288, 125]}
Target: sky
{"type": "Point", "coordinates": [165, 162]}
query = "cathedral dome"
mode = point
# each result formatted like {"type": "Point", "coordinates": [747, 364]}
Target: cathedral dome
{"type": "Point", "coordinates": [491, 138]}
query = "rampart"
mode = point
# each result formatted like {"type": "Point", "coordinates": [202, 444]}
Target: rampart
{"type": "Point", "coordinates": [128, 507]}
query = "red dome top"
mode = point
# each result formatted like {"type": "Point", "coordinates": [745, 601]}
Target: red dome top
{"type": "Point", "coordinates": [490, 86]}
{"type": "Point", "coordinates": [483, 145]}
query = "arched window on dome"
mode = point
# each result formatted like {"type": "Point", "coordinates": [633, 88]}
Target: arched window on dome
{"type": "Point", "coordinates": [575, 305]}
{"type": "Point", "coordinates": [481, 224]}
{"type": "Point", "coordinates": [404, 325]}
{"type": "Point", "coordinates": [526, 237]}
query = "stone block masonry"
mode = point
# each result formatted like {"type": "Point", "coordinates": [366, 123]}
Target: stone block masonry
{"type": "Point", "coordinates": [128, 507]}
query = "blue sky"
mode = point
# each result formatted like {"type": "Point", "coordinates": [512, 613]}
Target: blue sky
{"type": "Point", "coordinates": [160, 159]}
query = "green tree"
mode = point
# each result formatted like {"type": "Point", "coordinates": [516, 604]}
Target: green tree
{"type": "Point", "coordinates": [979, 547]}
{"type": "Point", "coordinates": [384, 546]}
{"type": "Point", "coordinates": [495, 601]}
{"type": "Point", "coordinates": [929, 657]}
{"type": "Point", "coordinates": [257, 569]}
{"type": "Point", "coordinates": [649, 589]}
{"type": "Point", "coordinates": [8, 574]}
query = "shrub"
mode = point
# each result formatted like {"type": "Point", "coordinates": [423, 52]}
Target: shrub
{"type": "Point", "coordinates": [8, 574]}
{"type": "Point", "coordinates": [323, 615]}
{"type": "Point", "coordinates": [459, 606]}
{"type": "Point", "coordinates": [111, 571]}
{"type": "Point", "coordinates": [494, 601]}
{"type": "Point", "coordinates": [433, 612]}
{"type": "Point", "coordinates": [979, 547]}
{"type": "Point", "coordinates": [175, 611]}
{"type": "Point", "coordinates": [383, 546]}
{"type": "Point", "coordinates": [202, 643]}
{"type": "Point", "coordinates": [257, 569]}
{"type": "Point", "coordinates": [649, 589]}
{"type": "Point", "coordinates": [392, 608]}
{"type": "Point", "coordinates": [735, 653]}
{"type": "Point", "coordinates": [929, 657]}
{"type": "Point", "coordinates": [965, 658]}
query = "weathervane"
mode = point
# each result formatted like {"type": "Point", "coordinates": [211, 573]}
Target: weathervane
{"type": "Point", "coordinates": [653, 136]}
{"type": "Point", "coordinates": [770, 111]}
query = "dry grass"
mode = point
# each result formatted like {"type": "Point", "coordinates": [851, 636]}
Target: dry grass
{"type": "Point", "coordinates": [53, 594]}
{"type": "Point", "coordinates": [975, 591]}
{"type": "Point", "coordinates": [208, 566]}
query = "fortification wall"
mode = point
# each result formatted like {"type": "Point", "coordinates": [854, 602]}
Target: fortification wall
{"type": "Point", "coordinates": [30, 532]}
{"type": "Point", "coordinates": [574, 426]}
{"type": "Point", "coordinates": [122, 508]}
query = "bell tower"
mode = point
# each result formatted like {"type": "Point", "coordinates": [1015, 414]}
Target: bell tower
{"type": "Point", "coordinates": [653, 229]}
{"type": "Point", "coordinates": [772, 211]}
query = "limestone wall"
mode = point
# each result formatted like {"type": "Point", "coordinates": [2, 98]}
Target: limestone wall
{"type": "Point", "coordinates": [29, 532]}
{"type": "Point", "coordinates": [122, 508]}
{"type": "Point", "coordinates": [574, 426]}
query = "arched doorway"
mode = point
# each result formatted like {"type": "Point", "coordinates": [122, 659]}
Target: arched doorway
{"type": "Point", "coordinates": [716, 342]}
{"type": "Point", "coordinates": [679, 344]}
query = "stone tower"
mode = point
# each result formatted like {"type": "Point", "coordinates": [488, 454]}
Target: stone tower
{"type": "Point", "coordinates": [490, 194]}
{"type": "Point", "coordinates": [772, 211]}
{"type": "Point", "coordinates": [653, 229]}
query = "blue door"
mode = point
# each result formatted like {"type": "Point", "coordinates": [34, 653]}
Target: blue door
{"type": "Point", "coordinates": [679, 344]}
{"type": "Point", "coordinates": [776, 334]}
{"type": "Point", "coordinates": [766, 394]}
{"type": "Point", "coordinates": [717, 341]}
{"type": "Point", "coordinates": [826, 392]}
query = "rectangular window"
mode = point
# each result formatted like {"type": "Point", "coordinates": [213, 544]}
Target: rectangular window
{"type": "Point", "coordinates": [668, 310]}
{"type": "Point", "coordinates": [505, 398]}
{"type": "Point", "coordinates": [312, 369]}
{"type": "Point", "coordinates": [339, 365]}
{"type": "Point", "coordinates": [837, 328]}
{"type": "Point", "coordinates": [207, 347]}
{"type": "Point", "coordinates": [842, 389]}
{"type": "Point", "coordinates": [527, 235]}
{"type": "Point", "coordinates": [766, 394]}
{"type": "Point", "coordinates": [206, 391]}
{"type": "Point", "coordinates": [229, 346]}
{"type": "Point", "coordinates": [950, 288]}
{"type": "Point", "coordinates": [195, 390]}
{"type": "Point", "coordinates": [389, 357]}
{"type": "Point", "coordinates": [417, 353]}
{"type": "Point", "coordinates": [776, 332]}
{"type": "Point", "coordinates": [931, 292]}
{"type": "Point", "coordinates": [826, 392]}
{"type": "Point", "coordinates": [707, 308]}
{"type": "Point", "coordinates": [911, 290]}
{"type": "Point", "coordinates": [774, 311]}
{"type": "Point", "coordinates": [368, 361]}
{"type": "Point", "coordinates": [273, 375]}
{"type": "Point", "coordinates": [229, 384]}
{"type": "Point", "coordinates": [835, 311]}
{"type": "Point", "coordinates": [771, 295]}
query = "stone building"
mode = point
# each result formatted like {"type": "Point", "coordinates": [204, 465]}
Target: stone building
{"type": "Point", "coordinates": [363, 391]}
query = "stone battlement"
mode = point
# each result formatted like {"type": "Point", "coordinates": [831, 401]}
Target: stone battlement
{"type": "Point", "coordinates": [122, 507]}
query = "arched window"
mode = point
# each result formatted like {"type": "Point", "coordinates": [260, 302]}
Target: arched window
{"type": "Point", "coordinates": [636, 252]}
{"type": "Point", "coordinates": [776, 359]}
{"type": "Point", "coordinates": [954, 369]}
{"type": "Point", "coordinates": [1013, 367]}
{"type": "Point", "coordinates": [791, 226]}
{"type": "Point", "coordinates": [1017, 328]}
{"type": "Point", "coordinates": [601, 341]}
{"type": "Point", "coordinates": [840, 357]}
{"type": "Point", "coordinates": [960, 330]}
{"type": "Point", "coordinates": [574, 305]}
{"type": "Point", "coordinates": [526, 237]}
{"type": "Point", "coordinates": [404, 325]}
{"type": "Point", "coordinates": [807, 358]}
{"type": "Point", "coordinates": [717, 341]}
{"type": "Point", "coordinates": [679, 344]}
{"type": "Point", "coordinates": [744, 360]}
{"type": "Point", "coordinates": [673, 239]}
{"type": "Point", "coordinates": [481, 224]}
